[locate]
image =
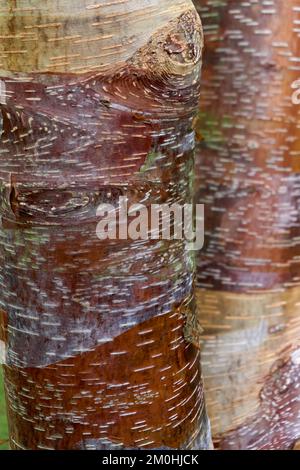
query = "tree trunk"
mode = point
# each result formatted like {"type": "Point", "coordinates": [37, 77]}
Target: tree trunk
{"type": "Point", "coordinates": [97, 102]}
{"type": "Point", "coordinates": [249, 179]}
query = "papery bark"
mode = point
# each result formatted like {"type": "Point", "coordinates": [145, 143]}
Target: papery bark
{"type": "Point", "coordinates": [97, 102]}
{"type": "Point", "coordinates": [249, 179]}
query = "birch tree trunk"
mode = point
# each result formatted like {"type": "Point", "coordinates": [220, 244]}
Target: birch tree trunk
{"type": "Point", "coordinates": [249, 179]}
{"type": "Point", "coordinates": [97, 102]}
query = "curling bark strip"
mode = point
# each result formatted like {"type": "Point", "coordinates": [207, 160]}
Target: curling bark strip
{"type": "Point", "coordinates": [249, 178]}
{"type": "Point", "coordinates": [97, 102]}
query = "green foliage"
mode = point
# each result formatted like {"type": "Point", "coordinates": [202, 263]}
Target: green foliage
{"type": "Point", "coordinates": [3, 421]}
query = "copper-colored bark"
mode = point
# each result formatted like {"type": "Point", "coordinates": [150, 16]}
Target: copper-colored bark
{"type": "Point", "coordinates": [248, 178]}
{"type": "Point", "coordinates": [97, 102]}
{"type": "Point", "coordinates": [140, 390]}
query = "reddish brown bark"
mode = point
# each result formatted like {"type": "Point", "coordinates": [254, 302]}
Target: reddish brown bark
{"type": "Point", "coordinates": [95, 350]}
{"type": "Point", "coordinates": [248, 178]}
{"type": "Point", "coordinates": [113, 395]}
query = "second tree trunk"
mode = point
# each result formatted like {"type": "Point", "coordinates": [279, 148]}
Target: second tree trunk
{"type": "Point", "coordinates": [249, 179]}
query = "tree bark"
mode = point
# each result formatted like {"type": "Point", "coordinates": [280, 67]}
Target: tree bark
{"type": "Point", "coordinates": [248, 177]}
{"type": "Point", "coordinates": [97, 102]}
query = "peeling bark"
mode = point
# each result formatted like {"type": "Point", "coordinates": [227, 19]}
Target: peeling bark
{"type": "Point", "coordinates": [97, 102]}
{"type": "Point", "coordinates": [249, 179]}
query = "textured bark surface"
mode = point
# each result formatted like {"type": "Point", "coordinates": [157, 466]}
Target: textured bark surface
{"type": "Point", "coordinates": [97, 102]}
{"type": "Point", "coordinates": [249, 179]}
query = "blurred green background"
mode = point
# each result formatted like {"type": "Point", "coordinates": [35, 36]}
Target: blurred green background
{"type": "Point", "coordinates": [3, 422]}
